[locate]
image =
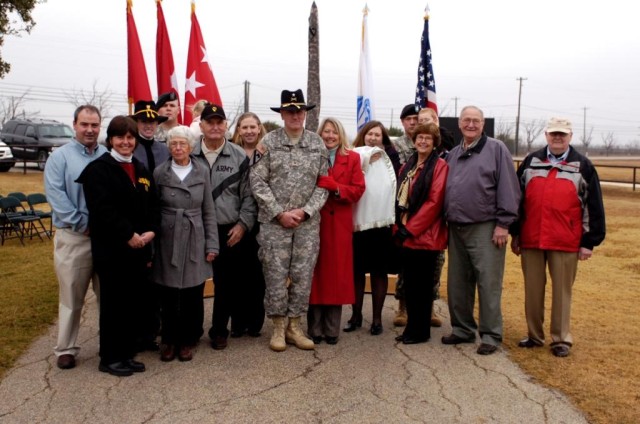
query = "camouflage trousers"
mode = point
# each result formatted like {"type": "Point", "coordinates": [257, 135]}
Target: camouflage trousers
{"type": "Point", "coordinates": [436, 279]}
{"type": "Point", "coordinates": [288, 258]}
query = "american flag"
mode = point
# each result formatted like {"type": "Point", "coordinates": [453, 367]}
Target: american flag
{"type": "Point", "coordinates": [426, 87]}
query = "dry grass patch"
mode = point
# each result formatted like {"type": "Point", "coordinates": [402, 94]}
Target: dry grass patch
{"type": "Point", "coordinates": [601, 373]}
{"type": "Point", "coordinates": [28, 305]}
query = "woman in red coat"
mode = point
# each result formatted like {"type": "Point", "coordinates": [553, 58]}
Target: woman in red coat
{"type": "Point", "coordinates": [332, 284]}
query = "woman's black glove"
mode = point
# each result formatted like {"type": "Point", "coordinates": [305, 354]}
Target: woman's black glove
{"type": "Point", "coordinates": [401, 235]}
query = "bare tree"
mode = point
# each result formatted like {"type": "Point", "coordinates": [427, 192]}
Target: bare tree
{"type": "Point", "coordinates": [13, 107]}
{"type": "Point", "coordinates": [504, 131]}
{"type": "Point", "coordinates": [532, 130]}
{"type": "Point", "coordinates": [632, 147]}
{"type": "Point", "coordinates": [586, 140]}
{"type": "Point", "coordinates": [608, 140]}
{"type": "Point", "coordinates": [233, 116]}
{"type": "Point", "coordinates": [96, 97]}
{"type": "Point", "coordinates": [271, 125]}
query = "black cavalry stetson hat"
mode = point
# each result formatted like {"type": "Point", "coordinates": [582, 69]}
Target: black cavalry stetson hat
{"type": "Point", "coordinates": [292, 100]}
{"type": "Point", "coordinates": [146, 110]}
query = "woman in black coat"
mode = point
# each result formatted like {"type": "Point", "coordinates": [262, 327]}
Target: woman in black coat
{"type": "Point", "coordinates": [123, 220]}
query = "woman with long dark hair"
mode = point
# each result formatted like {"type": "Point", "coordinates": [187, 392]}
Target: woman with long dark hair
{"type": "Point", "coordinates": [373, 217]}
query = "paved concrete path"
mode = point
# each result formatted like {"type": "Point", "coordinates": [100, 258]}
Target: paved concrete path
{"type": "Point", "coordinates": [362, 379]}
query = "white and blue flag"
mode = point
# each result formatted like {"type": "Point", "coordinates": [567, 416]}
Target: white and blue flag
{"type": "Point", "coordinates": [365, 84]}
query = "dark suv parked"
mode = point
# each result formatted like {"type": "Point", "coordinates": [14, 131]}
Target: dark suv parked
{"type": "Point", "coordinates": [35, 139]}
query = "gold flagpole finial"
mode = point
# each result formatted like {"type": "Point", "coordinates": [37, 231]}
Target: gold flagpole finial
{"type": "Point", "coordinates": [365, 11]}
{"type": "Point", "coordinates": [426, 11]}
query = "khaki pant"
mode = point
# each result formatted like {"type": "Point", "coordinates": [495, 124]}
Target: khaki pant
{"type": "Point", "coordinates": [73, 263]}
{"type": "Point", "coordinates": [563, 267]}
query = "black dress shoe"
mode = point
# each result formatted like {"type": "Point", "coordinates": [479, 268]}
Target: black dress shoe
{"type": "Point", "coordinates": [316, 339]}
{"type": "Point", "coordinates": [452, 339]}
{"type": "Point", "coordinates": [331, 340]}
{"type": "Point", "coordinates": [219, 343]}
{"type": "Point", "coordinates": [486, 349]}
{"type": "Point", "coordinates": [134, 365]}
{"type": "Point", "coordinates": [352, 325]}
{"type": "Point", "coordinates": [376, 329]}
{"type": "Point", "coordinates": [528, 343]}
{"type": "Point", "coordinates": [66, 361]}
{"type": "Point", "coordinates": [560, 350]}
{"type": "Point", "coordinates": [399, 338]}
{"type": "Point", "coordinates": [119, 369]}
{"type": "Point", "coordinates": [254, 333]}
{"type": "Point", "coordinates": [236, 333]}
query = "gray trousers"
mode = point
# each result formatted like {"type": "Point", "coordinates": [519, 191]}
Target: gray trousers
{"type": "Point", "coordinates": [288, 258]}
{"type": "Point", "coordinates": [474, 261]}
{"type": "Point", "coordinates": [324, 320]}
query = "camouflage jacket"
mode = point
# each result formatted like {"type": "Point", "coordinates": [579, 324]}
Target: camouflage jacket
{"type": "Point", "coordinates": [285, 177]}
{"type": "Point", "coordinates": [404, 147]}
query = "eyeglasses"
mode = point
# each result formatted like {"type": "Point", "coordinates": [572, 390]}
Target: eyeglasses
{"type": "Point", "coordinates": [557, 134]}
{"type": "Point", "coordinates": [181, 144]}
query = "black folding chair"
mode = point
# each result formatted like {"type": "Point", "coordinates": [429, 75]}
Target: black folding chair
{"type": "Point", "coordinates": [16, 223]}
{"type": "Point", "coordinates": [36, 199]}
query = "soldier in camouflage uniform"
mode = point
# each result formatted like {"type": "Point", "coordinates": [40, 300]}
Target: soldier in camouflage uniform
{"type": "Point", "coordinates": [284, 185]}
{"type": "Point", "coordinates": [404, 144]}
{"type": "Point", "coordinates": [168, 106]}
{"type": "Point", "coordinates": [404, 147]}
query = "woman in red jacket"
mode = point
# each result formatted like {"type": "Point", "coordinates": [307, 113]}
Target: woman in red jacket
{"type": "Point", "coordinates": [332, 284]}
{"type": "Point", "coordinates": [421, 230]}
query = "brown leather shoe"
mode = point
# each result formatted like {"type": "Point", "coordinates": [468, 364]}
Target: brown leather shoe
{"type": "Point", "coordinates": [66, 361]}
{"type": "Point", "coordinates": [185, 353]}
{"type": "Point", "coordinates": [167, 353]}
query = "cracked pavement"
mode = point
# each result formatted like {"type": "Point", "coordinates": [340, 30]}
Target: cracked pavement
{"type": "Point", "coordinates": [362, 379]}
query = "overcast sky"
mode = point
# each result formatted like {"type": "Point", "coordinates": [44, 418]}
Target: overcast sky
{"type": "Point", "coordinates": [574, 54]}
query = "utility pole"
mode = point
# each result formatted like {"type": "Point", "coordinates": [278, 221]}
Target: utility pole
{"type": "Point", "coordinates": [246, 96]}
{"type": "Point", "coordinates": [391, 121]}
{"type": "Point", "coordinates": [518, 116]}
{"type": "Point", "coordinates": [584, 124]}
{"type": "Point", "coordinates": [455, 103]}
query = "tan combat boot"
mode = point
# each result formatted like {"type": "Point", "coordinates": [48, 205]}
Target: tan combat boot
{"type": "Point", "coordinates": [277, 343]}
{"type": "Point", "coordinates": [400, 320]}
{"type": "Point", "coordinates": [435, 320]}
{"type": "Point", "coordinates": [295, 336]}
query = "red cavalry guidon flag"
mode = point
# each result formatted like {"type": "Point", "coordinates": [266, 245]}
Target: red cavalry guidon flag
{"type": "Point", "coordinates": [200, 83]}
{"type": "Point", "coordinates": [165, 69]}
{"type": "Point", "coordinates": [138, 86]}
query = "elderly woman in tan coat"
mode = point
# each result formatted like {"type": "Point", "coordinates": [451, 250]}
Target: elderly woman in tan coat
{"type": "Point", "coordinates": [188, 242]}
